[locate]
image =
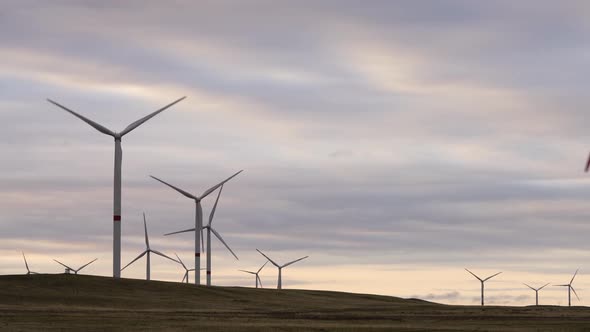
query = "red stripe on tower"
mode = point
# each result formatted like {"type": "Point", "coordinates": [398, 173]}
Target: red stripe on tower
{"type": "Point", "coordinates": [208, 272]}
{"type": "Point", "coordinates": [197, 254]}
{"type": "Point", "coordinates": [116, 218]}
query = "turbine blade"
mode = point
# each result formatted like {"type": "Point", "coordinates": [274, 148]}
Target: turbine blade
{"type": "Point", "coordinates": [490, 277]}
{"type": "Point", "coordinates": [189, 195]}
{"type": "Point", "coordinates": [588, 164]}
{"type": "Point", "coordinates": [93, 124]}
{"type": "Point", "coordinates": [185, 276]}
{"type": "Point", "coordinates": [561, 285]}
{"type": "Point", "coordinates": [147, 117]}
{"type": "Point", "coordinates": [26, 264]}
{"type": "Point", "coordinates": [259, 281]}
{"type": "Point", "coordinates": [543, 286]}
{"type": "Point", "coordinates": [574, 276]}
{"type": "Point", "coordinates": [85, 265]}
{"type": "Point", "coordinates": [62, 264]}
{"type": "Point", "coordinates": [136, 258]}
{"type": "Point", "coordinates": [248, 271]}
{"type": "Point", "coordinates": [225, 244]}
{"type": "Point", "coordinates": [180, 261]}
{"type": "Point", "coordinates": [184, 231]}
{"type": "Point", "coordinates": [529, 286]}
{"type": "Point", "coordinates": [473, 274]}
{"type": "Point", "coordinates": [295, 261]}
{"type": "Point", "coordinates": [212, 189]}
{"type": "Point", "coordinates": [273, 262]}
{"type": "Point", "coordinates": [202, 241]}
{"type": "Point", "coordinates": [161, 254]}
{"type": "Point", "coordinates": [147, 241]}
{"type": "Point", "coordinates": [260, 269]}
{"type": "Point", "coordinates": [575, 293]}
{"type": "Point", "coordinates": [215, 206]}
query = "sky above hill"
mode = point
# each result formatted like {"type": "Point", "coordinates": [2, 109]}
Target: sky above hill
{"type": "Point", "coordinates": [394, 142]}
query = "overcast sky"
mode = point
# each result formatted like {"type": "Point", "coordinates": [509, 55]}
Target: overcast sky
{"type": "Point", "coordinates": [394, 142]}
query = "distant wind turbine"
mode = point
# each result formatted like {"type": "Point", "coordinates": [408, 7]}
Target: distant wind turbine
{"type": "Point", "coordinates": [69, 270]}
{"type": "Point", "coordinates": [209, 230]}
{"type": "Point", "coordinates": [117, 183]}
{"type": "Point", "coordinates": [482, 282]}
{"type": "Point", "coordinates": [198, 218]}
{"type": "Point", "coordinates": [570, 288]}
{"type": "Point", "coordinates": [256, 274]}
{"type": "Point", "coordinates": [147, 251]}
{"type": "Point", "coordinates": [280, 267]}
{"type": "Point", "coordinates": [186, 270]}
{"type": "Point", "coordinates": [27, 265]}
{"type": "Point", "coordinates": [536, 292]}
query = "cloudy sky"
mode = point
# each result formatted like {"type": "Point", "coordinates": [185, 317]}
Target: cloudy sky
{"type": "Point", "coordinates": [395, 142]}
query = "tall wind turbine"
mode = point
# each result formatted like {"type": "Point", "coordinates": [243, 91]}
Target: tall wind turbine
{"type": "Point", "coordinates": [117, 182]}
{"type": "Point", "coordinates": [70, 270]}
{"type": "Point", "coordinates": [209, 230]}
{"type": "Point", "coordinates": [256, 274]}
{"type": "Point", "coordinates": [186, 270]}
{"type": "Point", "coordinates": [27, 265]}
{"type": "Point", "coordinates": [536, 292]}
{"type": "Point", "coordinates": [482, 282]}
{"type": "Point", "coordinates": [198, 218]}
{"type": "Point", "coordinates": [570, 288]}
{"type": "Point", "coordinates": [147, 251]}
{"type": "Point", "coordinates": [280, 267]}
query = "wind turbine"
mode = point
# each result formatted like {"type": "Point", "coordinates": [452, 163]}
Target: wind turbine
{"type": "Point", "coordinates": [187, 270]}
{"type": "Point", "coordinates": [570, 288]}
{"type": "Point", "coordinates": [482, 281]}
{"type": "Point", "coordinates": [27, 265]}
{"type": "Point", "coordinates": [209, 230]}
{"type": "Point", "coordinates": [280, 267]}
{"type": "Point", "coordinates": [536, 292]}
{"type": "Point", "coordinates": [256, 274]}
{"type": "Point", "coordinates": [117, 182]}
{"type": "Point", "coordinates": [69, 270]}
{"type": "Point", "coordinates": [147, 251]}
{"type": "Point", "coordinates": [198, 218]}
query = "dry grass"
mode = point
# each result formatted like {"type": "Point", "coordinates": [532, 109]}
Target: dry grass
{"type": "Point", "coordinates": [88, 303]}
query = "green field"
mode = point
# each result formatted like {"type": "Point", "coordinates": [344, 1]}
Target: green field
{"type": "Point", "coordinates": [86, 303]}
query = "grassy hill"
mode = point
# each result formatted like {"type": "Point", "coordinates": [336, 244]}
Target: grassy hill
{"type": "Point", "coordinates": [89, 303]}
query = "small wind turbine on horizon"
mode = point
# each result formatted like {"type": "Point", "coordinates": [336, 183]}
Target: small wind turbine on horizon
{"type": "Point", "coordinates": [209, 230]}
{"type": "Point", "coordinates": [117, 177]}
{"type": "Point", "coordinates": [198, 218]}
{"type": "Point", "coordinates": [186, 270]}
{"type": "Point", "coordinates": [69, 270]}
{"type": "Point", "coordinates": [280, 267]}
{"type": "Point", "coordinates": [147, 251]}
{"type": "Point", "coordinates": [27, 265]}
{"type": "Point", "coordinates": [256, 274]}
{"type": "Point", "coordinates": [482, 282]}
{"type": "Point", "coordinates": [570, 288]}
{"type": "Point", "coordinates": [536, 292]}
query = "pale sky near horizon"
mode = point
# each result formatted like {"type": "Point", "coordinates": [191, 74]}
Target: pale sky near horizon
{"type": "Point", "coordinates": [394, 142]}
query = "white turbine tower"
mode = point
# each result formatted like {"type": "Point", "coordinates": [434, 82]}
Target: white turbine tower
{"type": "Point", "coordinates": [482, 282]}
{"type": "Point", "coordinates": [198, 219]}
{"type": "Point", "coordinates": [70, 270]}
{"type": "Point", "coordinates": [570, 288]}
{"type": "Point", "coordinates": [147, 251]}
{"type": "Point", "coordinates": [27, 265]}
{"type": "Point", "coordinates": [209, 230]}
{"type": "Point", "coordinates": [280, 267]}
{"type": "Point", "coordinates": [536, 292]}
{"type": "Point", "coordinates": [186, 270]}
{"type": "Point", "coordinates": [117, 182]}
{"type": "Point", "coordinates": [256, 274]}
